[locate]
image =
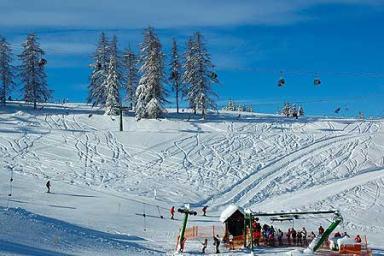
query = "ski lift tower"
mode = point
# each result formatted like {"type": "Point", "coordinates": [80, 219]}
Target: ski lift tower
{"type": "Point", "coordinates": [121, 108]}
{"type": "Point", "coordinates": [186, 210]}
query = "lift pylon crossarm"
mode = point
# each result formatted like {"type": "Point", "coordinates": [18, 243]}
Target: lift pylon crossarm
{"type": "Point", "coordinates": [293, 214]}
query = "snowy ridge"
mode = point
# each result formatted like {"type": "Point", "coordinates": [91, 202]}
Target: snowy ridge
{"type": "Point", "coordinates": [104, 180]}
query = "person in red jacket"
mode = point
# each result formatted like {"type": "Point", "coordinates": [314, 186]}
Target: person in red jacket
{"type": "Point", "coordinates": [172, 210]}
{"type": "Point", "coordinates": [358, 239]}
{"type": "Point", "coordinates": [321, 230]}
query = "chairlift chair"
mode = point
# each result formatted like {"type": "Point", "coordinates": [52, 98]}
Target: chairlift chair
{"type": "Point", "coordinates": [42, 62]}
{"type": "Point", "coordinates": [281, 81]}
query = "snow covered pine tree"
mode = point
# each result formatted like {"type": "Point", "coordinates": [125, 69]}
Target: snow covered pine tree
{"type": "Point", "coordinates": [150, 94]}
{"type": "Point", "coordinates": [6, 70]}
{"type": "Point", "coordinates": [175, 71]}
{"type": "Point", "coordinates": [97, 85]}
{"type": "Point", "coordinates": [188, 73]}
{"type": "Point", "coordinates": [132, 78]}
{"type": "Point", "coordinates": [199, 75]}
{"type": "Point", "coordinates": [112, 88]}
{"type": "Point", "coordinates": [32, 72]}
{"type": "Point", "coordinates": [113, 81]}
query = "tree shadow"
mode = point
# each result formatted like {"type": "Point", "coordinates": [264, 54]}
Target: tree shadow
{"type": "Point", "coordinates": [56, 225]}
{"type": "Point", "coordinates": [21, 249]}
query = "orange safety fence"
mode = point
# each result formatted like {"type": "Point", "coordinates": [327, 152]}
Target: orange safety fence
{"type": "Point", "coordinates": [197, 232]}
{"type": "Point", "coordinates": [203, 232]}
{"type": "Point", "coordinates": [237, 242]}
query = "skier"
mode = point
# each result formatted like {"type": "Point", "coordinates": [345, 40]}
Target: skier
{"type": "Point", "coordinates": [257, 232]}
{"type": "Point", "coordinates": [172, 210]}
{"type": "Point", "coordinates": [182, 244]}
{"type": "Point", "coordinates": [205, 210]}
{"type": "Point", "coordinates": [312, 236]}
{"type": "Point", "coordinates": [304, 232]}
{"type": "Point", "coordinates": [337, 234]}
{"type": "Point", "coordinates": [294, 233]}
{"type": "Point", "coordinates": [299, 238]}
{"type": "Point", "coordinates": [204, 245]}
{"type": "Point", "coordinates": [216, 243]}
{"type": "Point", "coordinates": [358, 239]}
{"type": "Point", "coordinates": [321, 230]}
{"type": "Point", "coordinates": [231, 244]}
{"type": "Point", "coordinates": [289, 236]}
{"type": "Point", "coordinates": [271, 238]}
{"type": "Point", "coordinates": [280, 237]}
{"type": "Point", "coordinates": [48, 185]}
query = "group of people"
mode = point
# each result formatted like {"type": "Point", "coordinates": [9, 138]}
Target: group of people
{"type": "Point", "coordinates": [293, 237]}
{"type": "Point", "coordinates": [216, 243]}
{"type": "Point", "coordinates": [269, 235]}
{"type": "Point", "coordinates": [339, 235]}
{"type": "Point", "coordinates": [299, 238]}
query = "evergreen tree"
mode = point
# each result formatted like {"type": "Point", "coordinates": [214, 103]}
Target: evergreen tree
{"type": "Point", "coordinates": [32, 72]}
{"type": "Point", "coordinates": [175, 77]}
{"type": "Point", "coordinates": [6, 70]}
{"type": "Point", "coordinates": [150, 94]}
{"type": "Point", "coordinates": [96, 87]}
{"type": "Point", "coordinates": [115, 53]}
{"type": "Point", "coordinates": [112, 88]}
{"type": "Point", "coordinates": [189, 72]}
{"type": "Point", "coordinates": [199, 75]}
{"type": "Point", "coordinates": [132, 76]}
{"type": "Point", "coordinates": [301, 111]}
{"type": "Point", "coordinates": [286, 110]}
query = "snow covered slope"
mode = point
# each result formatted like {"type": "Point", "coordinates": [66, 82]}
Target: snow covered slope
{"type": "Point", "coordinates": [104, 180]}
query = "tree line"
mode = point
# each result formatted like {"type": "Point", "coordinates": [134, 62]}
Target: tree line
{"type": "Point", "coordinates": [31, 71]}
{"type": "Point", "coordinates": [141, 77]}
{"type": "Point", "coordinates": [118, 78]}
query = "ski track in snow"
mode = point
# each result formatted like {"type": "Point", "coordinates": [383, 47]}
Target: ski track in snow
{"type": "Point", "coordinates": [247, 161]}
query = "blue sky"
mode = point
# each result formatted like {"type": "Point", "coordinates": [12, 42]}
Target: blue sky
{"type": "Point", "coordinates": [250, 41]}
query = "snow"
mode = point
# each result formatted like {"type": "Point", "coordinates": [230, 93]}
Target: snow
{"type": "Point", "coordinates": [231, 209]}
{"type": "Point", "coordinates": [104, 180]}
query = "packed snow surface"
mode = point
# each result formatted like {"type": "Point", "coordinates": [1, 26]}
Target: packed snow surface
{"type": "Point", "coordinates": [104, 180]}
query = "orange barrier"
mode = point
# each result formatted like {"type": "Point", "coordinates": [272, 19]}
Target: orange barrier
{"type": "Point", "coordinates": [350, 248]}
{"type": "Point", "coordinates": [203, 232]}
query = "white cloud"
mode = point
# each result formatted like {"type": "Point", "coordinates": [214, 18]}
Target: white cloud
{"type": "Point", "coordinates": [67, 48]}
{"type": "Point", "coordinates": [131, 14]}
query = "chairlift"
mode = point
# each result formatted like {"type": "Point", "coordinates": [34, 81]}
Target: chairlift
{"type": "Point", "coordinates": [317, 81]}
{"type": "Point", "coordinates": [42, 62]}
{"type": "Point", "coordinates": [281, 81]}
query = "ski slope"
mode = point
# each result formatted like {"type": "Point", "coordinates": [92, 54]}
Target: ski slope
{"type": "Point", "coordinates": [103, 180]}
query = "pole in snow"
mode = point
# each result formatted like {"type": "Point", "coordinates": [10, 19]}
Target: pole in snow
{"type": "Point", "coordinates": [121, 119]}
{"type": "Point", "coordinates": [248, 221]}
{"type": "Point", "coordinates": [121, 108]}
